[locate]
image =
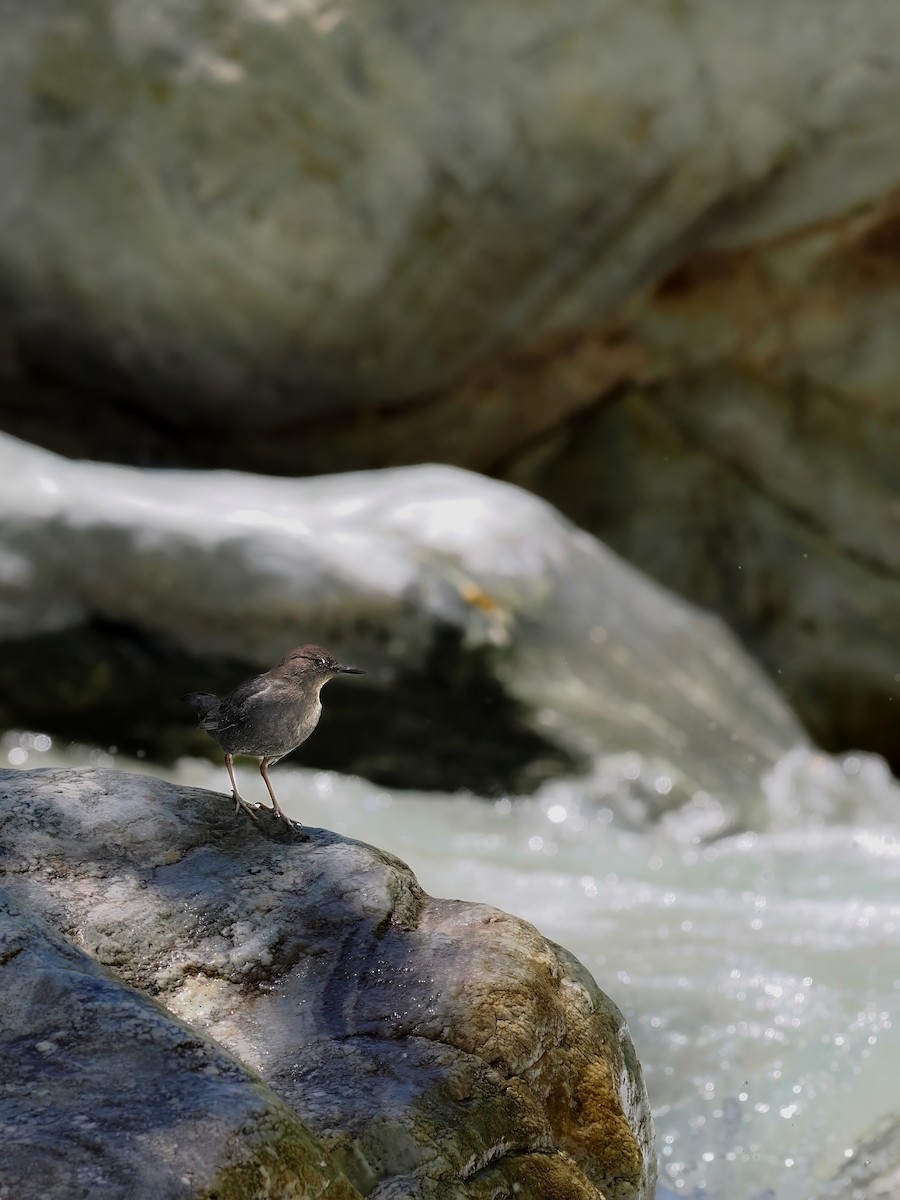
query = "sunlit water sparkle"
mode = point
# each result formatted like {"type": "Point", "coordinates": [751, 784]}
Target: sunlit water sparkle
{"type": "Point", "coordinates": [759, 971]}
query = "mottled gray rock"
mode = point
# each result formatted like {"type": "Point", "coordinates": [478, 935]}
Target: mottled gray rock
{"type": "Point", "coordinates": [436, 1048]}
{"type": "Point", "coordinates": [305, 203]}
{"type": "Point", "coordinates": [105, 1094]}
{"type": "Point", "coordinates": [414, 574]}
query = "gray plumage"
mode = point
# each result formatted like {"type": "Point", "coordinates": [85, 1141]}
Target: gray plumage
{"type": "Point", "coordinates": [271, 714]}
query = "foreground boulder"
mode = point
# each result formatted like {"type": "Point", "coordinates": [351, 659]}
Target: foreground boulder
{"type": "Point", "coordinates": [502, 645]}
{"type": "Point", "coordinates": [106, 1094]}
{"type": "Point", "coordinates": [435, 1048]}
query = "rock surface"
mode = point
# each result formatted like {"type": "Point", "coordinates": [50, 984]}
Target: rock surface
{"type": "Point", "coordinates": [874, 1171]}
{"type": "Point", "coordinates": [747, 457]}
{"type": "Point", "coordinates": [106, 1094]}
{"type": "Point", "coordinates": [493, 632]}
{"type": "Point", "coordinates": [313, 203]}
{"type": "Point", "coordinates": [436, 1048]}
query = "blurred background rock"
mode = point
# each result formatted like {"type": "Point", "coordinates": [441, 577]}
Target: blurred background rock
{"type": "Point", "coordinates": [261, 261]}
{"type": "Point", "coordinates": [641, 259]}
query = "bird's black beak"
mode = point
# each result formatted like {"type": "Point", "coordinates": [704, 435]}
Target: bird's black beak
{"type": "Point", "coordinates": [351, 670]}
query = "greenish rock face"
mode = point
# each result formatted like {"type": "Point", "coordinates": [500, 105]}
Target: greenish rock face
{"type": "Point", "coordinates": [284, 1167]}
{"type": "Point", "coordinates": [764, 498]}
{"type": "Point", "coordinates": [327, 211]}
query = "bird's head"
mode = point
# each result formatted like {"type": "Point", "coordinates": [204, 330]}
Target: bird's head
{"type": "Point", "coordinates": [315, 663]}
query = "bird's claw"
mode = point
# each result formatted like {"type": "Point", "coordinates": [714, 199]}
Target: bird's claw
{"type": "Point", "coordinates": [279, 812]}
{"type": "Point", "coordinates": [241, 804]}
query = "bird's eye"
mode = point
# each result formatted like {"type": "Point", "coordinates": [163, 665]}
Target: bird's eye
{"type": "Point", "coordinates": [320, 662]}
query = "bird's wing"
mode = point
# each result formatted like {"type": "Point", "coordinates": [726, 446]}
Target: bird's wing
{"type": "Point", "coordinates": [235, 708]}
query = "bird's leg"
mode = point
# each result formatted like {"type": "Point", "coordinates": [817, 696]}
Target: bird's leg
{"type": "Point", "coordinates": [239, 801]}
{"type": "Point", "coordinates": [276, 807]}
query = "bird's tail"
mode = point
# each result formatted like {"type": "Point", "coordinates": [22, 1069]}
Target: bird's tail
{"type": "Point", "coordinates": [201, 702]}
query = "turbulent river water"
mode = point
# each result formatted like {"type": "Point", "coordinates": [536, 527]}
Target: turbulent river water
{"type": "Point", "coordinates": [758, 967]}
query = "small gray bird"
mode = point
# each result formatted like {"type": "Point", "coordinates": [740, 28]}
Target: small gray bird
{"type": "Point", "coordinates": [269, 715]}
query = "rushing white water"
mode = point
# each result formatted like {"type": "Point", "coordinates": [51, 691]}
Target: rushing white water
{"type": "Point", "coordinates": [758, 968]}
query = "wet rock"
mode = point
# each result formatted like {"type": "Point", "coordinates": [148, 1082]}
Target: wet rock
{"type": "Point", "coordinates": [106, 1094]}
{"type": "Point", "coordinates": [503, 646]}
{"type": "Point", "coordinates": [435, 1048]}
{"type": "Point", "coordinates": [746, 453]}
{"type": "Point", "coordinates": [873, 1173]}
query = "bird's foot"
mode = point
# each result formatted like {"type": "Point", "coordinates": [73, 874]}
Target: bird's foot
{"type": "Point", "coordinates": [241, 804]}
{"type": "Point", "coordinates": [281, 814]}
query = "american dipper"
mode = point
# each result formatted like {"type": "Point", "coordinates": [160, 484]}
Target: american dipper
{"type": "Point", "coordinates": [269, 715]}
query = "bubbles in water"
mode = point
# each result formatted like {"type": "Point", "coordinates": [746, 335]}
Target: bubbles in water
{"type": "Point", "coordinates": [632, 768]}
{"type": "Point", "coordinates": [18, 745]}
{"type": "Point", "coordinates": [377, 800]}
{"type": "Point", "coordinates": [324, 783]}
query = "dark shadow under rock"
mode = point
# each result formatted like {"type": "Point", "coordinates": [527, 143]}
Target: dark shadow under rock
{"type": "Point", "coordinates": [443, 724]}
